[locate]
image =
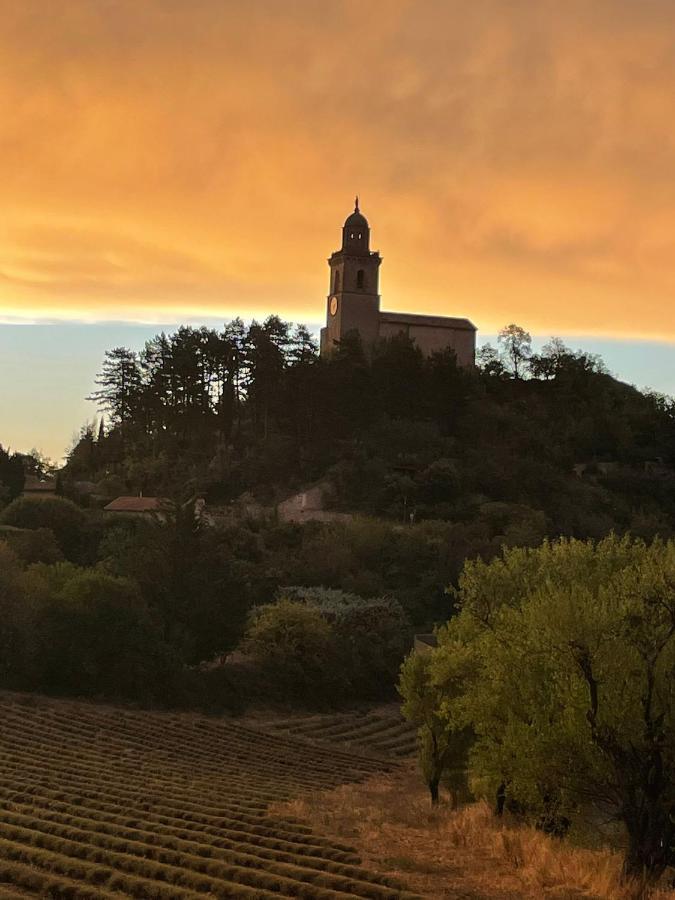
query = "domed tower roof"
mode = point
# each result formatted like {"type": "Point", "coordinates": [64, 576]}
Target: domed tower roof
{"type": "Point", "coordinates": [356, 232]}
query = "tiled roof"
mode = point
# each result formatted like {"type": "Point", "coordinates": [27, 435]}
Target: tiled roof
{"type": "Point", "coordinates": [134, 504]}
{"type": "Point", "coordinates": [35, 485]}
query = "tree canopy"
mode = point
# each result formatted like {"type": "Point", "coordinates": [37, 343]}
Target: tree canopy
{"type": "Point", "coordinates": [561, 662]}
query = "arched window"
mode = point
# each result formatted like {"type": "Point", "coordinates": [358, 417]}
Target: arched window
{"type": "Point", "coordinates": [360, 279]}
{"type": "Point", "coordinates": [336, 282]}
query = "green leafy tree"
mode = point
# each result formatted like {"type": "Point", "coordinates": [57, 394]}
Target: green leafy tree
{"type": "Point", "coordinates": [561, 661]}
{"type": "Point", "coordinates": [441, 746]}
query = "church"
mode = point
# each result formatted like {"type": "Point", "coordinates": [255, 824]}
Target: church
{"type": "Point", "coordinates": [354, 303]}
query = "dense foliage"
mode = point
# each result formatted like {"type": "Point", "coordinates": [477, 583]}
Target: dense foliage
{"type": "Point", "coordinates": [436, 465]}
{"type": "Point", "coordinates": [561, 662]}
{"type": "Point", "coordinates": [12, 475]}
{"type": "Point", "coordinates": [558, 444]}
{"type": "Point", "coordinates": [328, 646]}
{"type": "Point", "coordinates": [76, 631]}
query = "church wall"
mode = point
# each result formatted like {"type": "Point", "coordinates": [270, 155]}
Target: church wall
{"type": "Point", "coordinates": [431, 338]}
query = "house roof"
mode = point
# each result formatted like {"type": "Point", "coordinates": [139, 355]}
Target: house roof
{"type": "Point", "coordinates": [35, 485]}
{"type": "Point", "coordinates": [134, 504]}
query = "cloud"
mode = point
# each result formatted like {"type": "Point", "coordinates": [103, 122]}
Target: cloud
{"type": "Point", "coordinates": [514, 159]}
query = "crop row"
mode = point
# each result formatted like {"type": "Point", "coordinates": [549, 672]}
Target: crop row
{"type": "Point", "coordinates": [194, 737]}
{"type": "Point", "coordinates": [100, 802]}
{"type": "Point", "coordinates": [269, 834]}
{"type": "Point", "coordinates": [180, 840]}
{"type": "Point", "coordinates": [292, 880]}
{"type": "Point", "coordinates": [383, 732]}
{"type": "Point", "coordinates": [306, 765]}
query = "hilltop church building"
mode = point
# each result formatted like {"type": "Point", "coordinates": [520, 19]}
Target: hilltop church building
{"type": "Point", "coordinates": [354, 303]}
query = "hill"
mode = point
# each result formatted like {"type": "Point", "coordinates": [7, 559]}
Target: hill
{"type": "Point", "coordinates": [102, 802]}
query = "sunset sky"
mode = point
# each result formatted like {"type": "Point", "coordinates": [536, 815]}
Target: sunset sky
{"type": "Point", "coordinates": [191, 160]}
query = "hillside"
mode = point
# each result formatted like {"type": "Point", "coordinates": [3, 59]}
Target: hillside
{"type": "Point", "coordinates": [101, 802]}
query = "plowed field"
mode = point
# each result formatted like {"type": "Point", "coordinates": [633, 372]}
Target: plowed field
{"type": "Point", "coordinates": [101, 802]}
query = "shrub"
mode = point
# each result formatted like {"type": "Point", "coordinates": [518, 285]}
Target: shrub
{"type": "Point", "coordinates": [294, 644]}
{"type": "Point", "coordinates": [20, 601]}
{"type": "Point", "coordinates": [32, 546]}
{"type": "Point", "coordinates": [61, 516]}
{"type": "Point", "coordinates": [100, 639]}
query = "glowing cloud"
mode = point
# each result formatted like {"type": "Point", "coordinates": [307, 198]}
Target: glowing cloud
{"type": "Point", "coordinates": [171, 158]}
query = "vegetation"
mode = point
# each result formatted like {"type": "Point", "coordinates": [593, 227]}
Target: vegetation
{"type": "Point", "coordinates": [468, 461]}
{"type": "Point", "coordinates": [12, 475]}
{"type": "Point", "coordinates": [62, 517]}
{"type": "Point", "coordinates": [102, 802]}
{"type": "Point", "coordinates": [463, 851]}
{"type": "Point", "coordinates": [561, 664]}
{"type": "Point", "coordinates": [254, 409]}
{"type": "Point", "coordinates": [328, 645]}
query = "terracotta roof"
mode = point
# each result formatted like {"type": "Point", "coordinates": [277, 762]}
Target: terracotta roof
{"type": "Point", "coordinates": [134, 504]}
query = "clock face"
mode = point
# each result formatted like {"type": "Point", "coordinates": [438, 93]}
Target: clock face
{"type": "Point", "coordinates": [333, 305]}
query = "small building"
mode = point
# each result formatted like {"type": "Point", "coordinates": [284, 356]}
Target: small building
{"type": "Point", "coordinates": [353, 303]}
{"type": "Point", "coordinates": [137, 506]}
{"type": "Point", "coordinates": [35, 486]}
{"type": "Point", "coordinates": [309, 506]}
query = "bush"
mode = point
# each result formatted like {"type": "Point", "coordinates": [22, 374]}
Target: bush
{"type": "Point", "coordinates": [38, 546]}
{"type": "Point", "coordinates": [61, 516]}
{"type": "Point", "coordinates": [295, 647]}
{"type": "Point", "coordinates": [20, 608]}
{"type": "Point", "coordinates": [329, 645]}
{"type": "Point", "coordinates": [371, 636]}
{"type": "Point", "coordinates": [99, 639]}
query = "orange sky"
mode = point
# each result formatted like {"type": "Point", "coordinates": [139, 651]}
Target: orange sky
{"type": "Point", "coordinates": [168, 158]}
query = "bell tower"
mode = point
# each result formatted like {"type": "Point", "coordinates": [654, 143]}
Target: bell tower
{"type": "Point", "coordinates": [353, 302]}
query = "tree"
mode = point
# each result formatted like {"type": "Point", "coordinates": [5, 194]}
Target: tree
{"type": "Point", "coordinates": [12, 476]}
{"type": "Point", "coordinates": [197, 593]}
{"type": "Point", "coordinates": [440, 746]}
{"type": "Point", "coordinates": [119, 384]}
{"type": "Point", "coordinates": [561, 660]}
{"type": "Point", "coordinates": [516, 344]}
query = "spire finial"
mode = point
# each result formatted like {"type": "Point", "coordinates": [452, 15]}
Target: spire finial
{"type": "Point", "coordinates": [356, 204]}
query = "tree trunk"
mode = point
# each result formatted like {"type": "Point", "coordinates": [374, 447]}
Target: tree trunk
{"type": "Point", "coordinates": [434, 790]}
{"type": "Point", "coordinates": [650, 834]}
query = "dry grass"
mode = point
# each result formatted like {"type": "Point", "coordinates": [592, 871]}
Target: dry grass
{"type": "Point", "coordinates": [458, 854]}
